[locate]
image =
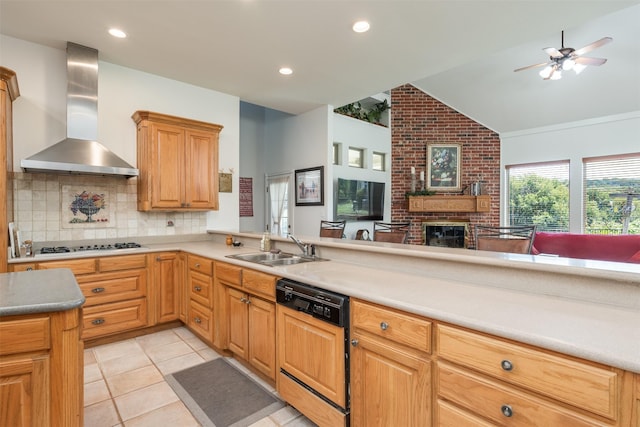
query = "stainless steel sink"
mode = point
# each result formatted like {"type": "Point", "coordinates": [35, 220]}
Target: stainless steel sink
{"type": "Point", "coordinates": [274, 259]}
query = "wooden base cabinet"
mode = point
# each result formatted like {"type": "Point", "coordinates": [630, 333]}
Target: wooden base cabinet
{"type": "Point", "coordinates": [507, 383]}
{"type": "Point", "coordinates": [41, 370]}
{"type": "Point", "coordinates": [636, 401]}
{"type": "Point", "coordinates": [248, 322]}
{"type": "Point", "coordinates": [200, 291]}
{"type": "Point", "coordinates": [390, 367]}
{"type": "Point", "coordinates": [115, 288]}
{"type": "Point", "coordinates": [166, 280]}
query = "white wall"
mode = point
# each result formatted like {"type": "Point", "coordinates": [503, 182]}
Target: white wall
{"type": "Point", "coordinates": [40, 112]}
{"type": "Point", "coordinates": [350, 132]}
{"type": "Point", "coordinates": [603, 136]}
{"type": "Point", "coordinates": [300, 142]}
{"type": "Point", "coordinates": [252, 164]}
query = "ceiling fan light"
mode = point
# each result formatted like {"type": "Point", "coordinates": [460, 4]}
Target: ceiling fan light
{"type": "Point", "coordinates": [557, 74]}
{"type": "Point", "coordinates": [568, 64]}
{"type": "Point", "coordinates": [545, 73]}
{"type": "Point", "coordinates": [578, 68]}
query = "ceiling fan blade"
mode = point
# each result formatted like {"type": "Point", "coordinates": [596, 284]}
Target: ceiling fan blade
{"type": "Point", "coordinates": [585, 60]}
{"type": "Point", "coordinates": [553, 52]}
{"type": "Point", "coordinates": [592, 46]}
{"type": "Point", "coordinates": [532, 66]}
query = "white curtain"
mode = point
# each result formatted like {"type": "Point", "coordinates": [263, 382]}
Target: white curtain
{"type": "Point", "coordinates": [278, 195]}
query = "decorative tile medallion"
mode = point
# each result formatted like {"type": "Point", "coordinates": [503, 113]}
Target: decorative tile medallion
{"type": "Point", "coordinates": [86, 207]}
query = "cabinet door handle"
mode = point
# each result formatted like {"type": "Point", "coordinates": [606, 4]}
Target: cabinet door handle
{"type": "Point", "coordinates": [158, 259]}
{"type": "Point", "coordinates": [384, 326]}
{"type": "Point", "coordinates": [197, 320]}
{"type": "Point", "coordinates": [506, 365]}
{"type": "Point", "coordinates": [197, 288]}
{"type": "Point", "coordinates": [354, 342]}
{"type": "Point", "coordinates": [97, 290]}
{"type": "Point", "coordinates": [97, 322]}
{"type": "Point", "coordinates": [507, 411]}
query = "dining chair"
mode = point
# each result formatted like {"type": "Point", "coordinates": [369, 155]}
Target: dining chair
{"type": "Point", "coordinates": [333, 229]}
{"type": "Point", "coordinates": [362, 234]}
{"type": "Point", "coordinates": [392, 232]}
{"type": "Point", "coordinates": [514, 239]}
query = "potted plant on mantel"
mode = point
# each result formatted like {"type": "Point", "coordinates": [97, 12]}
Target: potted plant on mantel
{"type": "Point", "coordinates": [371, 115]}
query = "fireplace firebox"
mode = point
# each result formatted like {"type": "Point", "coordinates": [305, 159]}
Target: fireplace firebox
{"type": "Point", "coordinates": [447, 234]}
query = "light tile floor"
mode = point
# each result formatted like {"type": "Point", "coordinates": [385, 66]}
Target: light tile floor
{"type": "Point", "coordinates": [124, 382]}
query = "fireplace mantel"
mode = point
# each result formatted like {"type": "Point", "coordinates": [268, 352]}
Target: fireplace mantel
{"type": "Point", "coordinates": [449, 203]}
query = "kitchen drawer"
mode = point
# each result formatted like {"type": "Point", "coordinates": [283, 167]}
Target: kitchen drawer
{"type": "Point", "coordinates": [201, 320]}
{"type": "Point", "coordinates": [22, 267]}
{"type": "Point", "coordinates": [402, 328]}
{"type": "Point", "coordinates": [22, 335]}
{"type": "Point", "coordinates": [200, 264]}
{"type": "Point", "coordinates": [261, 283]}
{"type": "Point", "coordinates": [125, 262]}
{"type": "Point", "coordinates": [583, 385]}
{"type": "Point", "coordinates": [500, 403]}
{"type": "Point", "coordinates": [449, 415]}
{"type": "Point", "coordinates": [230, 274]}
{"type": "Point", "coordinates": [78, 266]}
{"type": "Point", "coordinates": [106, 319]}
{"type": "Point", "coordinates": [201, 289]}
{"type": "Point", "coordinates": [110, 287]}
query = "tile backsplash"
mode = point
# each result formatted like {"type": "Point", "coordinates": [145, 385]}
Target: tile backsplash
{"type": "Point", "coordinates": [43, 210]}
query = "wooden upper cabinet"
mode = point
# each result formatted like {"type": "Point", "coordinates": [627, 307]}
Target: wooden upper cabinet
{"type": "Point", "coordinates": [8, 92]}
{"type": "Point", "coordinates": [178, 163]}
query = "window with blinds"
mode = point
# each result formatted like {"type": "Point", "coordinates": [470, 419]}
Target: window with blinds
{"type": "Point", "coordinates": [539, 194]}
{"type": "Point", "coordinates": [612, 194]}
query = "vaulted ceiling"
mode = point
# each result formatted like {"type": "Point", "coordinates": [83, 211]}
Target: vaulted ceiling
{"type": "Point", "coordinates": [461, 52]}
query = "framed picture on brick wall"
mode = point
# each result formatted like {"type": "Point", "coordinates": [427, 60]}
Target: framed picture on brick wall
{"type": "Point", "coordinates": [443, 167]}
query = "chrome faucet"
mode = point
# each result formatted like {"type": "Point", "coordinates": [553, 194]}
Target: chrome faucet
{"type": "Point", "coordinates": [308, 249]}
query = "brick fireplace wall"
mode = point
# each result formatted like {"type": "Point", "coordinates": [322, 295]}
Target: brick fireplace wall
{"type": "Point", "coordinates": [417, 120]}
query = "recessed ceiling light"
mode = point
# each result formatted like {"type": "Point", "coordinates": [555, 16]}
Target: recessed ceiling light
{"type": "Point", "coordinates": [285, 71]}
{"type": "Point", "coordinates": [361, 27]}
{"type": "Point", "coordinates": [117, 33]}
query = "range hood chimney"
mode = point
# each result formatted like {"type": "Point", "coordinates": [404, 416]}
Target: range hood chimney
{"type": "Point", "coordinates": [79, 152]}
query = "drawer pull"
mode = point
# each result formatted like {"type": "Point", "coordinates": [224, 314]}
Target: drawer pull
{"type": "Point", "coordinates": [97, 322]}
{"type": "Point", "coordinates": [97, 290]}
{"type": "Point", "coordinates": [197, 265]}
{"type": "Point", "coordinates": [507, 411]}
{"type": "Point", "coordinates": [506, 365]}
{"type": "Point", "coordinates": [197, 288]}
{"type": "Point", "coordinates": [354, 342]}
{"type": "Point", "coordinates": [197, 320]}
{"type": "Point", "coordinates": [384, 326]}
{"type": "Point", "coordinates": [29, 268]}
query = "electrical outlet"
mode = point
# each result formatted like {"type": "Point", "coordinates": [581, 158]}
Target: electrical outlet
{"type": "Point", "coordinates": [170, 223]}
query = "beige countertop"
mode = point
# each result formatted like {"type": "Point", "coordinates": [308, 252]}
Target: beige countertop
{"type": "Point", "coordinates": [586, 309]}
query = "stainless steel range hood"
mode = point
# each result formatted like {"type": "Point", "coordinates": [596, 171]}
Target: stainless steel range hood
{"type": "Point", "coordinates": [80, 153]}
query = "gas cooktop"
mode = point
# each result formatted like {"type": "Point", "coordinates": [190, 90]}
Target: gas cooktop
{"type": "Point", "coordinates": [62, 250]}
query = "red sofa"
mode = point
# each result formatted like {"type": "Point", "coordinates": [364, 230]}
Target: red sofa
{"type": "Point", "coordinates": [622, 248]}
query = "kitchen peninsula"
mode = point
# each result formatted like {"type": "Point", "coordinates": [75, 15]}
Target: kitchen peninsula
{"type": "Point", "coordinates": [41, 363]}
{"type": "Point", "coordinates": [546, 317]}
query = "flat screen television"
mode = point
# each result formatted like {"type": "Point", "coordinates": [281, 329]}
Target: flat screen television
{"type": "Point", "coordinates": [359, 200]}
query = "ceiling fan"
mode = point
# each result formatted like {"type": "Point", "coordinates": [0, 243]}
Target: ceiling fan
{"type": "Point", "coordinates": [568, 58]}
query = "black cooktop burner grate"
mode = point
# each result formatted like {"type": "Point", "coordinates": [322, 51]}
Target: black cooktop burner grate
{"type": "Point", "coordinates": [55, 250]}
{"type": "Point", "coordinates": [96, 247]}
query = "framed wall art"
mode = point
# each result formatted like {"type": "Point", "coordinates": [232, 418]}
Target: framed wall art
{"type": "Point", "coordinates": [443, 167]}
{"type": "Point", "coordinates": [309, 186]}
